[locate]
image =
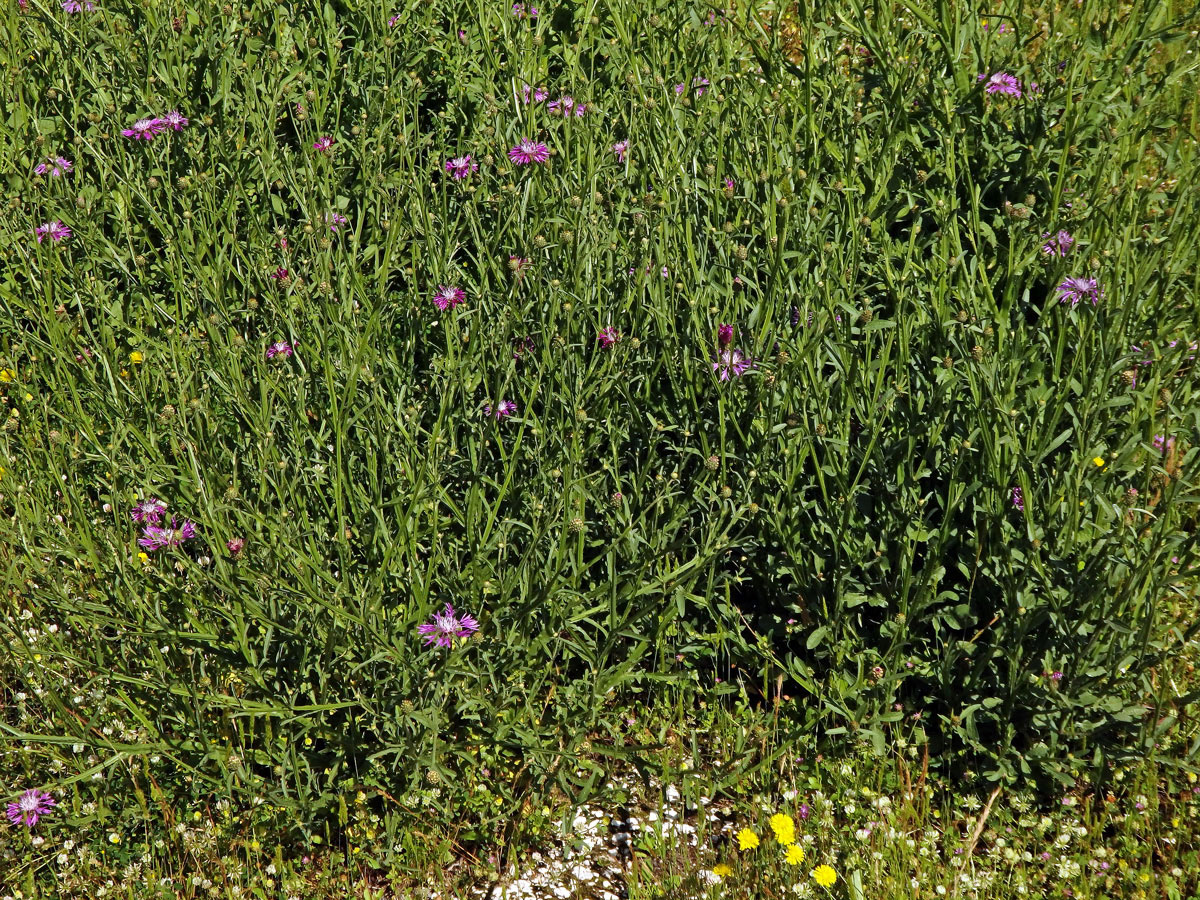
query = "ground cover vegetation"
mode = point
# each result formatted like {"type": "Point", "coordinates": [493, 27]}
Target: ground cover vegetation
{"type": "Point", "coordinates": [415, 416]}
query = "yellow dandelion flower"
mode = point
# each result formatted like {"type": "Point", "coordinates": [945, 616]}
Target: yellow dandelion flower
{"type": "Point", "coordinates": [143, 557]}
{"type": "Point", "coordinates": [784, 828]}
{"type": "Point", "coordinates": [136, 357]}
{"type": "Point", "coordinates": [721, 870]}
{"type": "Point", "coordinates": [795, 855]}
{"type": "Point", "coordinates": [824, 876]}
{"type": "Point", "coordinates": [747, 839]}
{"type": "Point", "coordinates": [7, 375]}
{"type": "Point", "coordinates": [1099, 461]}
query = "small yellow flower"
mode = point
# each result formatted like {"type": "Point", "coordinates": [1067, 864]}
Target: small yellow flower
{"type": "Point", "coordinates": [1191, 777]}
{"type": "Point", "coordinates": [795, 855]}
{"type": "Point", "coordinates": [255, 845]}
{"type": "Point", "coordinates": [1099, 461]}
{"type": "Point", "coordinates": [824, 876]}
{"type": "Point", "coordinates": [7, 375]}
{"type": "Point", "coordinates": [136, 357]}
{"type": "Point", "coordinates": [28, 397]}
{"type": "Point", "coordinates": [143, 557]}
{"type": "Point", "coordinates": [747, 839]}
{"type": "Point", "coordinates": [784, 828]}
{"type": "Point", "coordinates": [721, 870]}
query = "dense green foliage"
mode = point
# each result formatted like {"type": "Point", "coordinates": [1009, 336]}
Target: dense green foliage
{"type": "Point", "coordinates": [837, 523]}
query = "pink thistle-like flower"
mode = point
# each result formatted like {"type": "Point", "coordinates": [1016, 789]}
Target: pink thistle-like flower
{"type": "Point", "coordinates": [324, 143]}
{"type": "Point", "coordinates": [731, 363]}
{"type": "Point", "coordinates": [1058, 245]}
{"type": "Point", "coordinates": [1164, 444]}
{"type": "Point", "coordinates": [281, 348]}
{"type": "Point", "coordinates": [724, 335]}
{"type": "Point", "coordinates": [444, 627]}
{"type": "Point", "coordinates": [335, 220]}
{"type": "Point", "coordinates": [1072, 290]}
{"type": "Point", "coordinates": [520, 11]}
{"type": "Point", "coordinates": [620, 148]}
{"type": "Point", "coordinates": [700, 84]}
{"type": "Point", "coordinates": [235, 546]}
{"type": "Point", "coordinates": [518, 266]}
{"type": "Point", "coordinates": [156, 538]}
{"type": "Point", "coordinates": [176, 120]}
{"type": "Point", "coordinates": [461, 166]}
{"type": "Point", "coordinates": [74, 6]}
{"type": "Point", "coordinates": [29, 807]}
{"type": "Point", "coordinates": [1018, 498]}
{"type": "Point", "coordinates": [503, 410]}
{"type": "Point", "coordinates": [55, 230]}
{"type": "Point", "coordinates": [567, 106]}
{"type": "Point", "coordinates": [529, 151]}
{"type": "Point", "coordinates": [148, 511]}
{"type": "Point", "coordinates": [537, 94]}
{"type": "Point", "coordinates": [448, 297]}
{"type": "Point", "coordinates": [608, 336]}
{"type": "Point", "coordinates": [280, 274]}
{"type": "Point", "coordinates": [1002, 83]}
{"type": "Point", "coordinates": [57, 166]}
{"type": "Point", "coordinates": [394, 20]}
{"type": "Point", "coordinates": [145, 129]}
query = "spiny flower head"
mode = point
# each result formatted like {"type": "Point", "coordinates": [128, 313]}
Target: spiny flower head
{"type": "Point", "coordinates": [1072, 290]}
{"type": "Point", "coordinates": [444, 627]}
{"type": "Point", "coordinates": [448, 297]}
{"type": "Point", "coordinates": [503, 409]}
{"type": "Point", "coordinates": [29, 807]}
{"type": "Point", "coordinates": [461, 166]}
{"type": "Point", "coordinates": [145, 129]}
{"type": "Point", "coordinates": [324, 143]}
{"type": "Point", "coordinates": [529, 151]}
{"type": "Point", "coordinates": [280, 348]}
{"type": "Point", "coordinates": [724, 335]}
{"type": "Point", "coordinates": [608, 336]}
{"type": "Point", "coordinates": [175, 119]}
{"type": "Point", "coordinates": [1059, 244]}
{"type": "Point", "coordinates": [57, 166]}
{"type": "Point", "coordinates": [56, 230]}
{"type": "Point", "coordinates": [1002, 83]}
{"type": "Point", "coordinates": [148, 511]}
{"type": "Point", "coordinates": [156, 538]}
{"type": "Point", "coordinates": [731, 363]}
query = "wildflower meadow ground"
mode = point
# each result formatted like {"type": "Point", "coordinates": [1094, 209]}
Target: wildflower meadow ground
{"type": "Point", "coordinates": [615, 450]}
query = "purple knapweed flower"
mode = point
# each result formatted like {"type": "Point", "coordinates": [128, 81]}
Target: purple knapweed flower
{"type": "Point", "coordinates": [521, 12]}
{"type": "Point", "coordinates": [444, 627]}
{"type": "Point", "coordinates": [731, 363]}
{"type": "Point", "coordinates": [724, 335]}
{"type": "Point", "coordinates": [334, 220]}
{"type": "Point", "coordinates": [608, 336]}
{"type": "Point", "coordinates": [74, 6]}
{"type": "Point", "coordinates": [57, 166]}
{"type": "Point", "coordinates": [620, 148]}
{"type": "Point", "coordinates": [1002, 83]}
{"type": "Point", "coordinates": [29, 807]}
{"type": "Point", "coordinates": [536, 94]}
{"type": "Point", "coordinates": [1164, 444]}
{"type": "Point", "coordinates": [156, 538]}
{"type": "Point", "coordinates": [700, 84]}
{"type": "Point", "coordinates": [1072, 290]}
{"type": "Point", "coordinates": [145, 129]}
{"type": "Point", "coordinates": [393, 20]}
{"type": "Point", "coordinates": [518, 265]}
{"type": "Point", "coordinates": [280, 274]}
{"type": "Point", "coordinates": [235, 546]}
{"type": "Point", "coordinates": [175, 120]}
{"type": "Point", "coordinates": [567, 106]}
{"type": "Point", "coordinates": [56, 230]}
{"type": "Point", "coordinates": [448, 297]}
{"type": "Point", "coordinates": [1057, 245]}
{"type": "Point", "coordinates": [324, 143]}
{"type": "Point", "coordinates": [503, 410]}
{"type": "Point", "coordinates": [281, 348]}
{"type": "Point", "coordinates": [148, 511]}
{"type": "Point", "coordinates": [461, 166]}
{"type": "Point", "coordinates": [1056, 676]}
{"type": "Point", "coordinates": [529, 151]}
{"type": "Point", "coordinates": [1018, 498]}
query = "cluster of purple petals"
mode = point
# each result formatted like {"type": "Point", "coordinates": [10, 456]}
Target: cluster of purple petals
{"type": "Point", "coordinates": [529, 151]}
{"type": "Point", "coordinates": [461, 166]}
{"type": "Point", "coordinates": [567, 106]}
{"type": "Point", "coordinates": [502, 410]}
{"type": "Point", "coordinates": [148, 129]}
{"type": "Point", "coordinates": [335, 220]}
{"type": "Point", "coordinates": [608, 336]}
{"type": "Point", "coordinates": [442, 628]}
{"type": "Point", "coordinates": [1073, 290]}
{"type": "Point", "coordinates": [448, 297]}
{"type": "Point", "coordinates": [281, 348]}
{"type": "Point", "coordinates": [1059, 244]}
{"type": "Point", "coordinates": [522, 12]}
{"type": "Point", "coordinates": [57, 166]}
{"type": "Point", "coordinates": [158, 537]}
{"type": "Point", "coordinates": [29, 807]}
{"type": "Point", "coordinates": [55, 230]}
{"type": "Point", "coordinates": [534, 95]}
{"type": "Point", "coordinates": [700, 85]}
{"type": "Point", "coordinates": [1001, 83]}
{"type": "Point", "coordinates": [621, 148]}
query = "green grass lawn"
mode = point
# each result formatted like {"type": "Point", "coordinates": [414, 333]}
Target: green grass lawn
{"type": "Point", "coordinates": [430, 430]}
